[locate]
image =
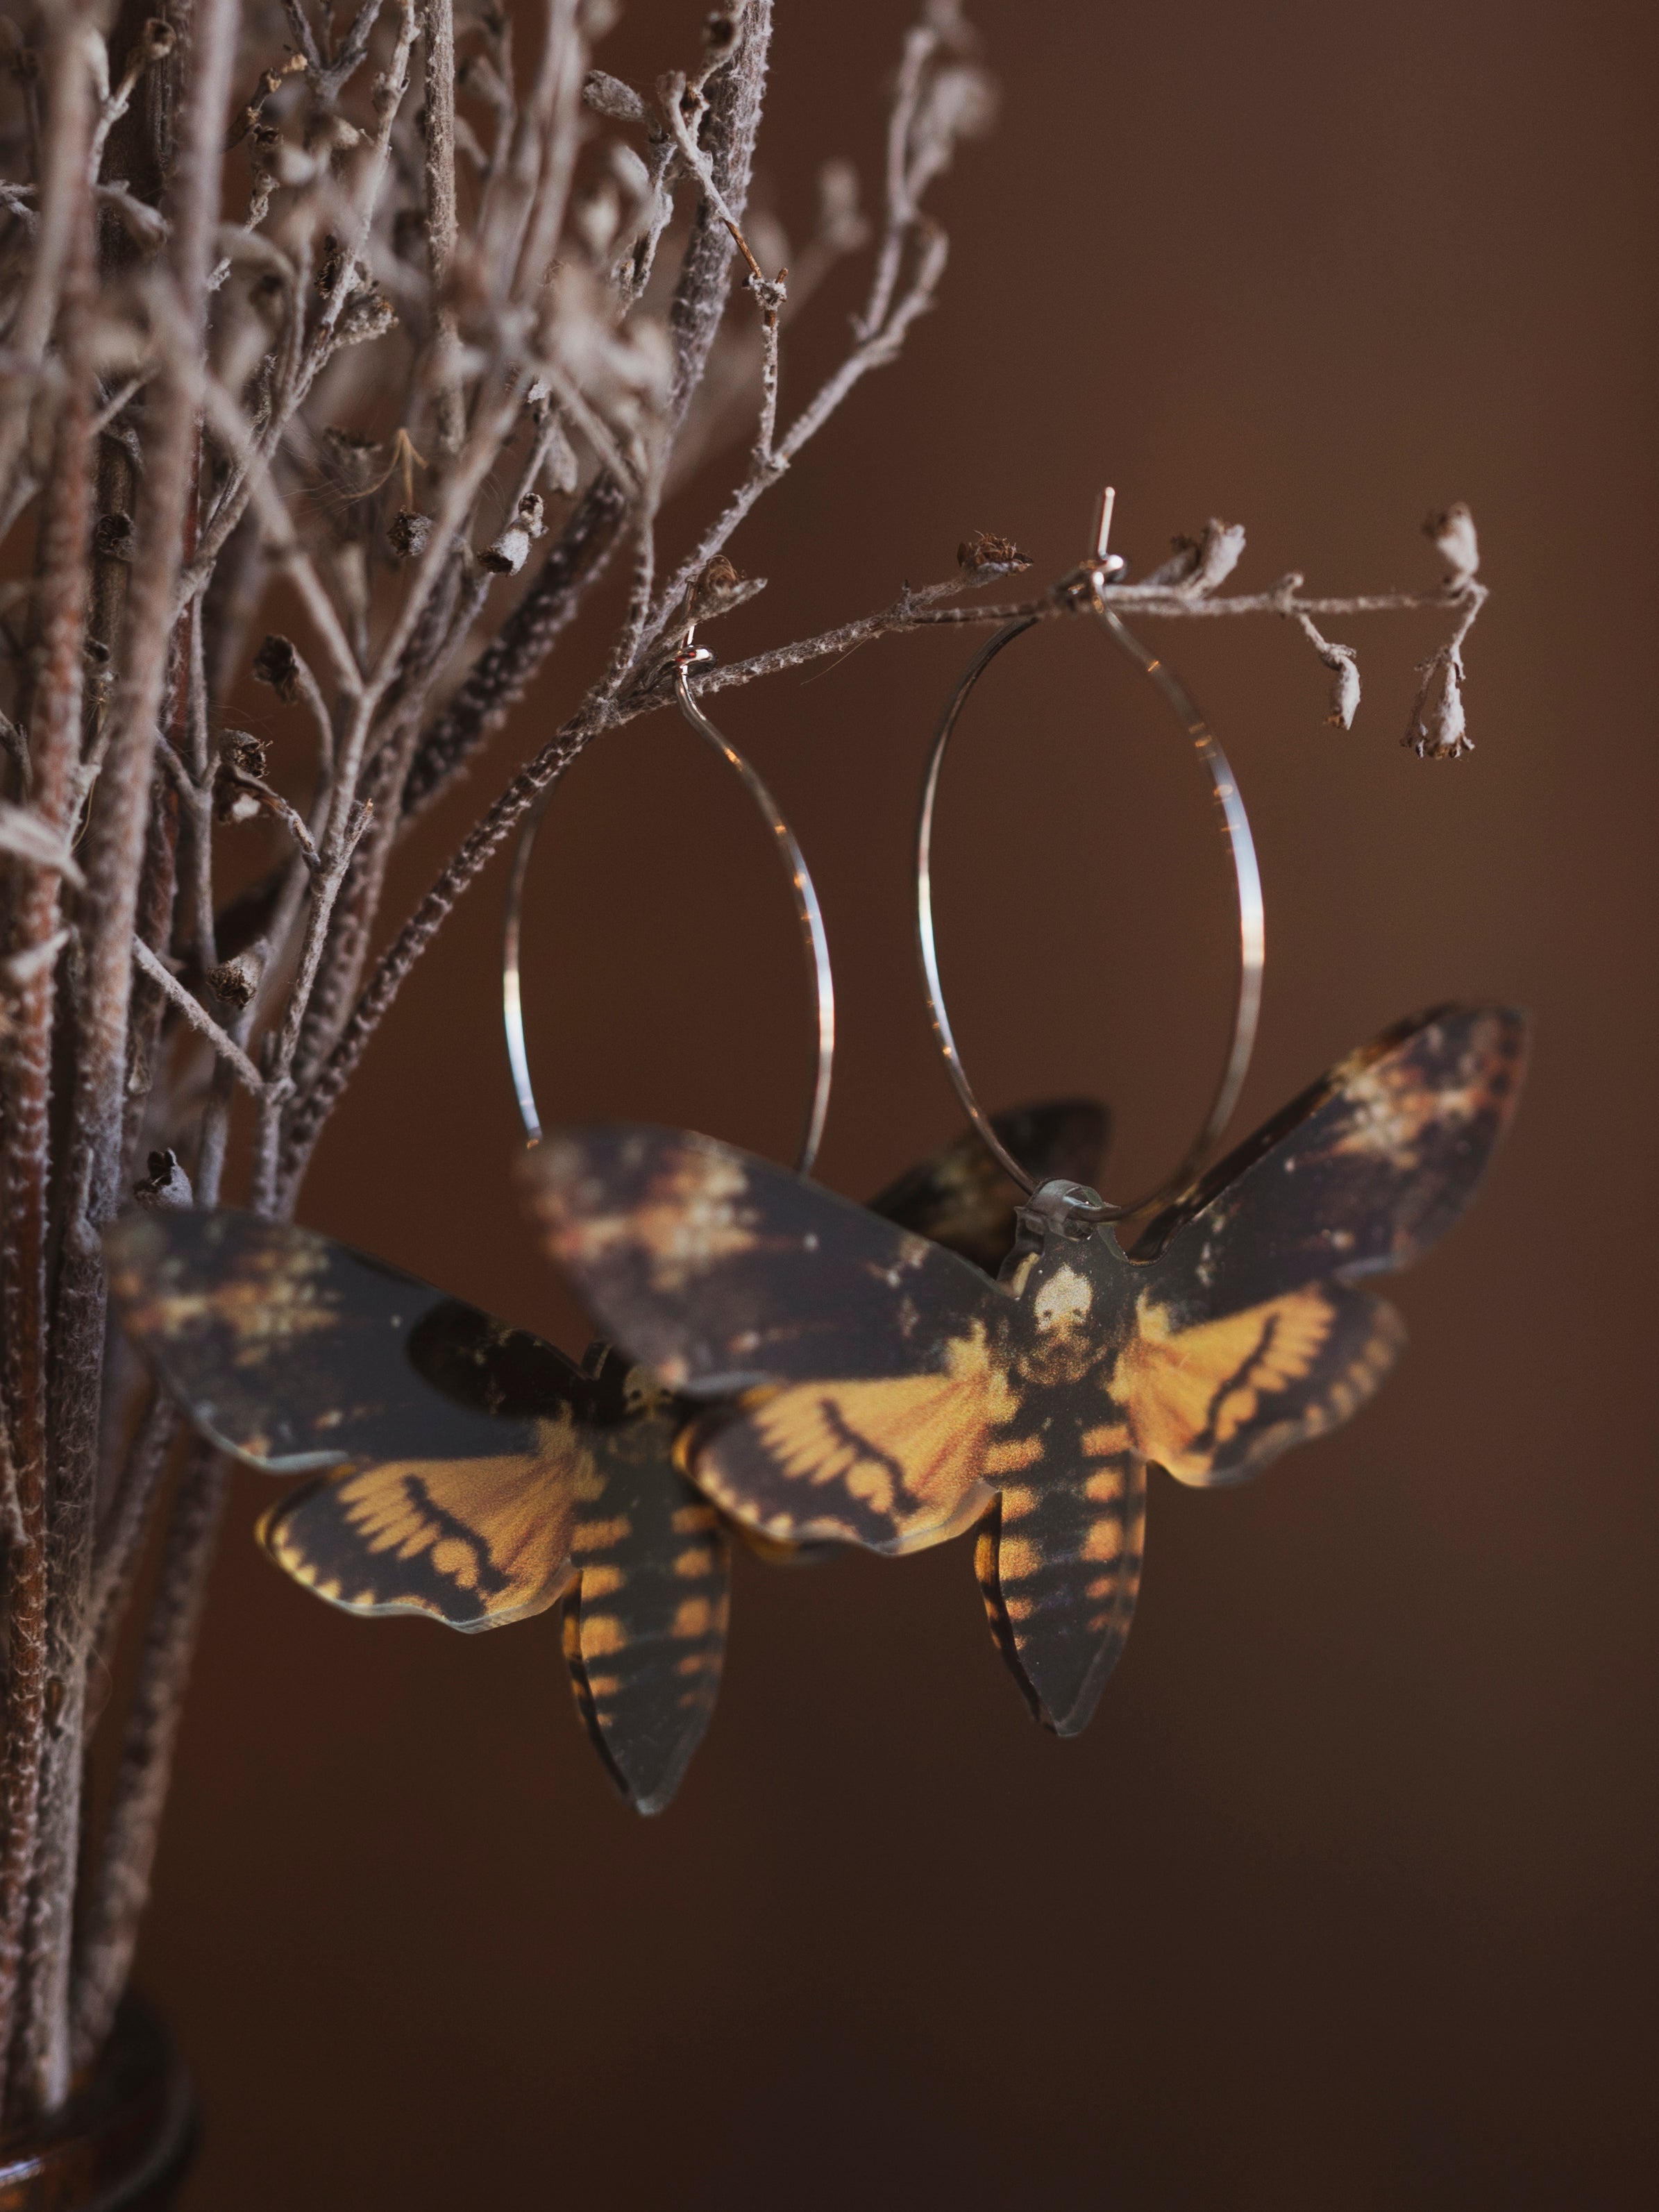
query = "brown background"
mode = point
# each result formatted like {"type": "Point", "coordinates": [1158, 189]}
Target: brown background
{"type": "Point", "coordinates": [1345, 1899]}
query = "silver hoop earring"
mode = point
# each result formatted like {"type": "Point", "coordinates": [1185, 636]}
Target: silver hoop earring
{"type": "Point", "coordinates": [808, 913]}
{"type": "Point", "coordinates": [1082, 591]}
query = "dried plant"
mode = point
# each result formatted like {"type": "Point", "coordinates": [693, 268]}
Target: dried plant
{"type": "Point", "coordinates": [408, 329]}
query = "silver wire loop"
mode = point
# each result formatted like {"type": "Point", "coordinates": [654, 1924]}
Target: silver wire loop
{"type": "Point", "coordinates": [1082, 590]}
{"type": "Point", "coordinates": [809, 914]}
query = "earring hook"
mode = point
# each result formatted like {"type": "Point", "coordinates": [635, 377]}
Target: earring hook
{"type": "Point", "coordinates": [1082, 591]}
{"type": "Point", "coordinates": [808, 913]}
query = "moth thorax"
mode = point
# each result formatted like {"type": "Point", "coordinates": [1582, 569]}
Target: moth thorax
{"type": "Point", "coordinates": [1057, 1209]}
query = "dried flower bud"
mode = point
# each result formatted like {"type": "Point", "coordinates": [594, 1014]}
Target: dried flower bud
{"type": "Point", "coordinates": [1345, 691]}
{"type": "Point", "coordinates": [157, 41]}
{"type": "Point", "coordinates": [235, 981]}
{"type": "Point", "coordinates": [240, 755]}
{"type": "Point", "coordinates": [277, 662]}
{"type": "Point", "coordinates": [532, 515]}
{"type": "Point", "coordinates": [1437, 729]}
{"type": "Point", "coordinates": [1219, 552]}
{"type": "Point", "coordinates": [609, 95]}
{"type": "Point", "coordinates": [111, 536]}
{"type": "Point", "coordinates": [1453, 534]}
{"type": "Point", "coordinates": [985, 549]}
{"type": "Point", "coordinates": [240, 749]}
{"type": "Point", "coordinates": [408, 533]}
{"type": "Point", "coordinates": [365, 315]}
{"type": "Point", "coordinates": [1341, 660]}
{"type": "Point", "coordinates": [717, 582]}
{"type": "Point", "coordinates": [167, 1184]}
{"type": "Point", "coordinates": [508, 553]}
{"type": "Point", "coordinates": [1200, 565]}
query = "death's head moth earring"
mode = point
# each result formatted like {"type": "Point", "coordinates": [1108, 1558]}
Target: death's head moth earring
{"type": "Point", "coordinates": [864, 1386]}
{"type": "Point", "coordinates": [480, 1476]}
{"type": "Point", "coordinates": [468, 1471]}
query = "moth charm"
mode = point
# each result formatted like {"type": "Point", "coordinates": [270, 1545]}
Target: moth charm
{"type": "Point", "coordinates": [468, 1471]}
{"type": "Point", "coordinates": [864, 1386]}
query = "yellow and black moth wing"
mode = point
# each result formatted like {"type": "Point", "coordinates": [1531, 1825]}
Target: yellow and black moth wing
{"type": "Point", "coordinates": [644, 1621]}
{"type": "Point", "coordinates": [294, 1353]}
{"type": "Point", "coordinates": [863, 1359]}
{"type": "Point", "coordinates": [1361, 1174]}
{"type": "Point", "coordinates": [962, 1198]}
{"type": "Point", "coordinates": [465, 1459]}
{"type": "Point", "coordinates": [1249, 1336]}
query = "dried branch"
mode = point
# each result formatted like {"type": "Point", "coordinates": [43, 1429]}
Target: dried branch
{"type": "Point", "coordinates": [120, 1885]}
{"type": "Point", "coordinates": [53, 719]}
{"type": "Point", "coordinates": [199, 1018]}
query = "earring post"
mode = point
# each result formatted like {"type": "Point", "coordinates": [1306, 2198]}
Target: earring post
{"type": "Point", "coordinates": [1104, 520]}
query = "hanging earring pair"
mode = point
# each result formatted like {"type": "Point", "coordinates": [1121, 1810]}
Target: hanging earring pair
{"type": "Point", "coordinates": [471, 1472]}
{"type": "Point", "coordinates": [862, 1385]}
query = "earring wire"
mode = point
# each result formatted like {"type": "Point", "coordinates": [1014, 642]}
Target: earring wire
{"type": "Point", "coordinates": [809, 915]}
{"type": "Point", "coordinates": [1082, 591]}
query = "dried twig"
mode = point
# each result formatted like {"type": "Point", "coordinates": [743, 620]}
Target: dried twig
{"type": "Point", "coordinates": [199, 1018]}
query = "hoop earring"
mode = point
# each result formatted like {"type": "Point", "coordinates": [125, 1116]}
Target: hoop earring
{"type": "Point", "coordinates": [1082, 591]}
{"type": "Point", "coordinates": [808, 913]}
{"type": "Point", "coordinates": [861, 1386]}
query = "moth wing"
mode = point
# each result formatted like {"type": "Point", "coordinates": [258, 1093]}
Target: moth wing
{"type": "Point", "coordinates": [893, 1462]}
{"type": "Point", "coordinates": [723, 1273]}
{"type": "Point", "coordinates": [296, 1353]}
{"type": "Point", "coordinates": [475, 1543]}
{"type": "Point", "coordinates": [962, 1198]}
{"type": "Point", "coordinates": [1216, 1401]}
{"type": "Point", "coordinates": [1362, 1174]}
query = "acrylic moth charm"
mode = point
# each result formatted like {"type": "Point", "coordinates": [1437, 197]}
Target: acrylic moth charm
{"type": "Point", "coordinates": [475, 1475]}
{"type": "Point", "coordinates": [881, 1393]}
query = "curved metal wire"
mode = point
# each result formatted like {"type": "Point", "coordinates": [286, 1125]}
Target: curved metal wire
{"type": "Point", "coordinates": [1084, 590]}
{"type": "Point", "coordinates": [808, 913]}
